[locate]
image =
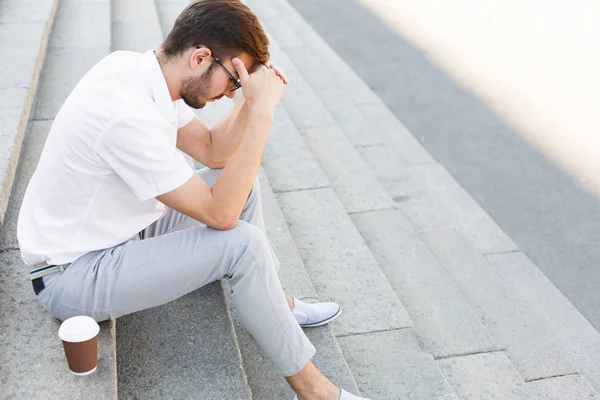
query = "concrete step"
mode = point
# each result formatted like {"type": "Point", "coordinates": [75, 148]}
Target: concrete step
{"type": "Point", "coordinates": [568, 387]}
{"type": "Point", "coordinates": [135, 25]}
{"type": "Point", "coordinates": [492, 376]}
{"type": "Point", "coordinates": [303, 169]}
{"type": "Point", "coordinates": [445, 323]}
{"type": "Point", "coordinates": [186, 349]}
{"type": "Point", "coordinates": [339, 263]}
{"type": "Point", "coordinates": [512, 322]}
{"type": "Point", "coordinates": [81, 37]}
{"type": "Point", "coordinates": [325, 91]}
{"type": "Point", "coordinates": [311, 214]}
{"type": "Point", "coordinates": [329, 114]}
{"type": "Point", "coordinates": [489, 376]}
{"type": "Point", "coordinates": [25, 26]}
{"type": "Point", "coordinates": [168, 11]}
{"type": "Point", "coordinates": [404, 370]}
{"type": "Point", "coordinates": [264, 380]}
{"type": "Point", "coordinates": [33, 364]}
{"type": "Point", "coordinates": [570, 331]}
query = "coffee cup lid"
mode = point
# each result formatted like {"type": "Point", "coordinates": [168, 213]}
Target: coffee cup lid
{"type": "Point", "coordinates": [78, 329]}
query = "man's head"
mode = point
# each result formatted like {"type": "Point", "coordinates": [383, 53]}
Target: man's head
{"type": "Point", "coordinates": [203, 41]}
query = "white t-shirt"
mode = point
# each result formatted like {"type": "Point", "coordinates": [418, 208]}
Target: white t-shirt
{"type": "Point", "coordinates": [111, 150]}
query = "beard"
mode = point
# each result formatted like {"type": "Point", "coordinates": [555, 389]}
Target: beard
{"type": "Point", "coordinates": [195, 92]}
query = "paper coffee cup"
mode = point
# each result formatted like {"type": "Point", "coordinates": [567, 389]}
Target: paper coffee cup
{"type": "Point", "coordinates": [79, 336]}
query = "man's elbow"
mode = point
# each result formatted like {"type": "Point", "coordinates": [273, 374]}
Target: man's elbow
{"type": "Point", "coordinates": [223, 222]}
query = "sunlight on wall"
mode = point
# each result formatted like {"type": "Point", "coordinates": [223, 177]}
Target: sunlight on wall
{"type": "Point", "coordinates": [536, 63]}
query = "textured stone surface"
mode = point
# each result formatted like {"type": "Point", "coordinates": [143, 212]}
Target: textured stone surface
{"type": "Point", "coordinates": [292, 274]}
{"type": "Point", "coordinates": [264, 9]}
{"type": "Point", "coordinates": [12, 128]}
{"type": "Point", "coordinates": [285, 35]}
{"type": "Point", "coordinates": [543, 206]}
{"type": "Point", "coordinates": [287, 160]}
{"type": "Point", "coordinates": [385, 163]}
{"type": "Point", "coordinates": [21, 45]}
{"type": "Point", "coordinates": [33, 360]}
{"type": "Point", "coordinates": [185, 349]}
{"type": "Point", "coordinates": [24, 45]}
{"type": "Point", "coordinates": [304, 106]}
{"type": "Point", "coordinates": [570, 387]}
{"type": "Point", "coordinates": [511, 322]}
{"type": "Point", "coordinates": [135, 26]}
{"type": "Point", "coordinates": [406, 145]}
{"type": "Point", "coordinates": [311, 67]}
{"type": "Point", "coordinates": [332, 65]}
{"type": "Point", "coordinates": [358, 129]}
{"type": "Point", "coordinates": [264, 380]}
{"type": "Point", "coordinates": [488, 376]}
{"type": "Point", "coordinates": [431, 199]}
{"type": "Point", "coordinates": [32, 149]}
{"type": "Point", "coordinates": [82, 24]}
{"type": "Point", "coordinates": [444, 322]}
{"type": "Point", "coordinates": [168, 11]}
{"type": "Point", "coordinates": [281, 59]}
{"type": "Point", "coordinates": [578, 340]}
{"type": "Point", "coordinates": [135, 37]}
{"type": "Point", "coordinates": [25, 10]}
{"type": "Point", "coordinates": [11, 98]}
{"type": "Point", "coordinates": [358, 91]}
{"type": "Point", "coordinates": [339, 263]}
{"type": "Point", "coordinates": [64, 67]}
{"type": "Point", "coordinates": [135, 11]}
{"type": "Point", "coordinates": [267, 383]}
{"type": "Point", "coordinates": [350, 177]}
{"type": "Point", "coordinates": [280, 10]}
{"type": "Point", "coordinates": [403, 370]}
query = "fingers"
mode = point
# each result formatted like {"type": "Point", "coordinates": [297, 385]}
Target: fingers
{"type": "Point", "coordinates": [278, 71]}
{"type": "Point", "coordinates": [241, 70]}
{"type": "Point", "coordinates": [283, 77]}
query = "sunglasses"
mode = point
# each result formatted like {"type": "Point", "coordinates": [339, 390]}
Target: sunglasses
{"type": "Point", "coordinates": [236, 82]}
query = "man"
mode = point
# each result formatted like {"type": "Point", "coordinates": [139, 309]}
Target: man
{"type": "Point", "coordinates": [101, 221]}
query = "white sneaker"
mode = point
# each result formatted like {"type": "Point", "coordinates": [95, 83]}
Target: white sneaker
{"type": "Point", "coordinates": [315, 314]}
{"type": "Point", "coordinates": [345, 396]}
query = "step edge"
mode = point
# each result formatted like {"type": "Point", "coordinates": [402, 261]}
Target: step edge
{"type": "Point", "coordinates": [266, 184]}
{"type": "Point", "coordinates": [7, 181]}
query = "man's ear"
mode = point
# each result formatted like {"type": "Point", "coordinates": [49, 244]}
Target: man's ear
{"type": "Point", "coordinates": [199, 55]}
{"type": "Point", "coordinates": [254, 66]}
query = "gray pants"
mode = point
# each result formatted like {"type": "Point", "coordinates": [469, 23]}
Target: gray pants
{"type": "Point", "coordinates": [168, 261]}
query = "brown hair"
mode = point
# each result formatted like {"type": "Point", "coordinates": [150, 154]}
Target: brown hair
{"type": "Point", "coordinates": [227, 27]}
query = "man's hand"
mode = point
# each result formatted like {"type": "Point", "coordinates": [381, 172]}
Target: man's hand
{"type": "Point", "coordinates": [278, 71]}
{"type": "Point", "coordinates": [262, 89]}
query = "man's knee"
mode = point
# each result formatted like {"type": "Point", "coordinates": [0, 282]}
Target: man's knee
{"type": "Point", "coordinates": [257, 249]}
{"type": "Point", "coordinates": [250, 235]}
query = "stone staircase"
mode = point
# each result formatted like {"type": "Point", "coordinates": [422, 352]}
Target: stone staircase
{"type": "Point", "coordinates": [438, 302]}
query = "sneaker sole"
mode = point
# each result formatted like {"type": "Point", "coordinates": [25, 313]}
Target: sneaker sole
{"type": "Point", "coordinates": [324, 322]}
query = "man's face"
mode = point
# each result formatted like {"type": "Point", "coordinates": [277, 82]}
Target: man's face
{"type": "Point", "coordinates": [211, 82]}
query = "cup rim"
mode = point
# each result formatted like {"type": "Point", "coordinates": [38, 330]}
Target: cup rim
{"type": "Point", "coordinates": [77, 329]}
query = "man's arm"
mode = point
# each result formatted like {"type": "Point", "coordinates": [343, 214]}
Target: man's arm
{"type": "Point", "coordinates": [214, 147]}
{"type": "Point", "coordinates": [221, 205]}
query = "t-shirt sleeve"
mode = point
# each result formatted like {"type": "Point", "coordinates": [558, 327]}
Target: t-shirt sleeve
{"type": "Point", "coordinates": [186, 114]}
{"type": "Point", "coordinates": [145, 156]}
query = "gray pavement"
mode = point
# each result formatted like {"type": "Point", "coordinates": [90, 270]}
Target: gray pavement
{"type": "Point", "coordinates": [543, 210]}
{"type": "Point", "coordinates": [439, 302]}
